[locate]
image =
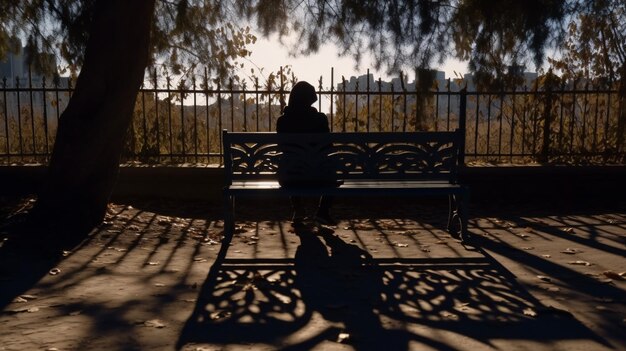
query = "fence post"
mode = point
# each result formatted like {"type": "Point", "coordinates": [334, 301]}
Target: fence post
{"type": "Point", "coordinates": [462, 124]}
{"type": "Point", "coordinates": [547, 120]}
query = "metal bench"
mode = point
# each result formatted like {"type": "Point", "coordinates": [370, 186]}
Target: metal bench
{"type": "Point", "coordinates": [368, 164]}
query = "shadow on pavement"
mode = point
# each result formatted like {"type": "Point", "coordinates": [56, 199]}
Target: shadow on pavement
{"type": "Point", "coordinates": [334, 291]}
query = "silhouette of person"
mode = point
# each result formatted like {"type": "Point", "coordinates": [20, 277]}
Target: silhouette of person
{"type": "Point", "coordinates": [300, 117]}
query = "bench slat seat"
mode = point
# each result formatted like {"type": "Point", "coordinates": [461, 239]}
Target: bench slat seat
{"type": "Point", "coordinates": [348, 188]}
{"type": "Point", "coordinates": [367, 164]}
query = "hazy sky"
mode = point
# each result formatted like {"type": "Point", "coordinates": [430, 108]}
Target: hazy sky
{"type": "Point", "coordinates": [270, 55]}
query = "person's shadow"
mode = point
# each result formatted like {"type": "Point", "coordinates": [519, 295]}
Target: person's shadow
{"type": "Point", "coordinates": [343, 283]}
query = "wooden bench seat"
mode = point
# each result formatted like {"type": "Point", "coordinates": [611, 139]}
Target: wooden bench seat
{"type": "Point", "coordinates": [365, 164]}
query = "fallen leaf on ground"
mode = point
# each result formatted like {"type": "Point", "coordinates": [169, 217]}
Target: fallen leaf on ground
{"type": "Point", "coordinates": [530, 312]}
{"type": "Point", "coordinates": [571, 251]}
{"type": "Point", "coordinates": [546, 256]}
{"type": "Point", "coordinates": [220, 315]}
{"type": "Point", "coordinates": [400, 244]}
{"type": "Point", "coordinates": [151, 263]}
{"type": "Point", "coordinates": [155, 323]}
{"type": "Point", "coordinates": [54, 271]}
{"type": "Point", "coordinates": [343, 337]}
{"type": "Point", "coordinates": [544, 278]}
{"type": "Point", "coordinates": [580, 263]}
{"type": "Point", "coordinates": [568, 230]}
{"type": "Point", "coordinates": [613, 275]}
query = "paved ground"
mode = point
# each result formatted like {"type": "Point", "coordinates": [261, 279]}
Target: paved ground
{"type": "Point", "coordinates": [544, 277]}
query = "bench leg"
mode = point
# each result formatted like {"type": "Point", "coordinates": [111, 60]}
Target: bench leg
{"type": "Point", "coordinates": [229, 217]}
{"type": "Point", "coordinates": [457, 215]}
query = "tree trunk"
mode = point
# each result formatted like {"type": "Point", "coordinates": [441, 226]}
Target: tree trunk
{"type": "Point", "coordinates": [85, 159]}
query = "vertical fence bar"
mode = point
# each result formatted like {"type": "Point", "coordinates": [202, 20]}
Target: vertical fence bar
{"type": "Point", "coordinates": [245, 108]}
{"type": "Point", "coordinates": [501, 118]}
{"type": "Point", "coordinates": [332, 101]}
{"type": "Point", "coordinates": [182, 121]}
{"type": "Point", "coordinates": [380, 104]}
{"type": "Point", "coordinates": [436, 112]}
{"type": "Point", "coordinates": [477, 124]}
{"type": "Point", "coordinates": [573, 120]}
{"type": "Point", "coordinates": [19, 117]}
{"type": "Point", "coordinates": [356, 107]}
{"type": "Point", "coordinates": [404, 102]}
{"type": "Point", "coordinates": [221, 123]}
{"type": "Point", "coordinates": [195, 119]}
{"type": "Point", "coordinates": [583, 135]}
{"type": "Point", "coordinates": [6, 118]}
{"type": "Point", "coordinates": [561, 107]}
{"type": "Point", "coordinates": [343, 83]}
{"type": "Point", "coordinates": [547, 119]}
{"type": "Point", "coordinates": [144, 119]}
{"type": "Point", "coordinates": [449, 106]}
{"type": "Point", "coordinates": [256, 99]}
{"type": "Point", "coordinates": [606, 123]}
{"type": "Point", "coordinates": [368, 99]}
{"type": "Point", "coordinates": [393, 109]}
{"type": "Point", "coordinates": [156, 116]}
{"type": "Point", "coordinates": [488, 124]}
{"type": "Point", "coordinates": [169, 118]}
{"type": "Point", "coordinates": [462, 124]}
{"type": "Point", "coordinates": [511, 140]}
{"type": "Point", "coordinates": [45, 116]}
{"type": "Point", "coordinates": [524, 113]}
{"type": "Point", "coordinates": [232, 106]}
{"type": "Point", "coordinates": [594, 142]}
{"type": "Point", "coordinates": [32, 111]}
{"type": "Point", "coordinates": [207, 116]}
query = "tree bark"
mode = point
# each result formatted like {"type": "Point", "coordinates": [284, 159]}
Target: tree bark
{"type": "Point", "coordinates": [85, 159]}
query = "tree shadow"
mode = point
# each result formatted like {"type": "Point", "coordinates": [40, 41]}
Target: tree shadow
{"type": "Point", "coordinates": [334, 291]}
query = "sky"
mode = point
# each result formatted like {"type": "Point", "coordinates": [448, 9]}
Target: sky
{"type": "Point", "coordinates": [269, 54]}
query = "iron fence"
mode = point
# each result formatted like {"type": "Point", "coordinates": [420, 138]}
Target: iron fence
{"type": "Point", "coordinates": [182, 124]}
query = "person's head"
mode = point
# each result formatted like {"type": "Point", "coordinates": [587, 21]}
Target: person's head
{"type": "Point", "coordinates": [302, 95]}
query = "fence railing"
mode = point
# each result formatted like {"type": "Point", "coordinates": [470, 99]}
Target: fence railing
{"type": "Point", "coordinates": [181, 125]}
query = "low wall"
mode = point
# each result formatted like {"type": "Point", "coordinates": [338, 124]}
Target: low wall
{"type": "Point", "coordinates": [523, 183]}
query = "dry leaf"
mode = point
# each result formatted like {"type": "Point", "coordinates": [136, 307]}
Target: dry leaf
{"type": "Point", "coordinates": [613, 275]}
{"type": "Point", "coordinates": [568, 230]}
{"type": "Point", "coordinates": [54, 271]}
{"type": "Point", "coordinates": [580, 263]}
{"type": "Point", "coordinates": [530, 312]}
{"type": "Point", "coordinates": [343, 337]}
{"type": "Point", "coordinates": [220, 315]}
{"type": "Point", "coordinates": [544, 278]}
{"type": "Point", "coordinates": [571, 251]}
{"type": "Point", "coordinates": [400, 244]}
{"type": "Point", "coordinates": [155, 323]}
{"type": "Point", "coordinates": [151, 263]}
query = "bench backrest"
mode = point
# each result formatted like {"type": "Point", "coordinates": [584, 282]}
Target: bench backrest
{"type": "Point", "coordinates": [389, 155]}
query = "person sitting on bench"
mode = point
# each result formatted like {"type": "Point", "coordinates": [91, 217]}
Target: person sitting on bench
{"type": "Point", "coordinates": [296, 168]}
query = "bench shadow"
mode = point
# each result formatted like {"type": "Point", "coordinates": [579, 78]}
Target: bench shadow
{"type": "Point", "coordinates": [333, 291]}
